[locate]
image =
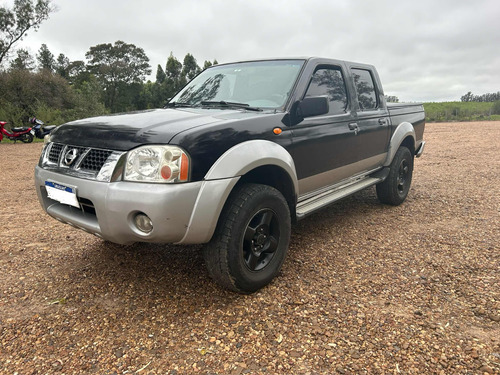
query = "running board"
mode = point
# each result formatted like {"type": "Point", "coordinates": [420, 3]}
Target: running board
{"type": "Point", "coordinates": [316, 202]}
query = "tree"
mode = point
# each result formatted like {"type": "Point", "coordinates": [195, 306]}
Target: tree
{"type": "Point", "coordinates": [160, 75]}
{"type": "Point", "coordinates": [23, 61]}
{"type": "Point", "coordinates": [117, 66]}
{"type": "Point", "coordinates": [467, 97]}
{"type": "Point", "coordinates": [175, 80]}
{"type": "Point", "coordinates": [77, 72]}
{"type": "Point", "coordinates": [190, 68]}
{"type": "Point", "coordinates": [61, 65]}
{"type": "Point", "coordinates": [391, 99]}
{"type": "Point", "coordinates": [45, 58]}
{"type": "Point", "coordinates": [173, 69]}
{"type": "Point", "coordinates": [207, 64]}
{"type": "Point", "coordinates": [15, 22]}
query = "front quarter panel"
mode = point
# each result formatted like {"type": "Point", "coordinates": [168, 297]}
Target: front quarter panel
{"type": "Point", "coordinates": [223, 176]}
{"type": "Point", "coordinates": [249, 155]}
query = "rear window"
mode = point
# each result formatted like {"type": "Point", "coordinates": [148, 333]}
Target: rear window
{"type": "Point", "coordinates": [365, 89]}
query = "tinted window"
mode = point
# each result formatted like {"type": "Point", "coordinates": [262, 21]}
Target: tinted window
{"type": "Point", "coordinates": [329, 82]}
{"type": "Point", "coordinates": [365, 89]}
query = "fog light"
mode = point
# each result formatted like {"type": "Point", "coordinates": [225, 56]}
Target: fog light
{"type": "Point", "coordinates": [143, 223]}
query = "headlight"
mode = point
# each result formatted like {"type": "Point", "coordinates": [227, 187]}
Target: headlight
{"type": "Point", "coordinates": [157, 164]}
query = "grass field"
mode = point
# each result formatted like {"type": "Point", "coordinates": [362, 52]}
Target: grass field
{"type": "Point", "coordinates": [460, 111]}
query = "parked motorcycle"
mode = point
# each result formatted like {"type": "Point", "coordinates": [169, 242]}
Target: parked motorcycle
{"type": "Point", "coordinates": [40, 129]}
{"type": "Point", "coordinates": [23, 134]}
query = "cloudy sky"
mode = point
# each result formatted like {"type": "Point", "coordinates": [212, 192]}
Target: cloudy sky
{"type": "Point", "coordinates": [427, 50]}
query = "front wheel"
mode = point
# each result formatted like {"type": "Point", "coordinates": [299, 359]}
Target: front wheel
{"type": "Point", "coordinates": [251, 239]}
{"type": "Point", "coordinates": [394, 189]}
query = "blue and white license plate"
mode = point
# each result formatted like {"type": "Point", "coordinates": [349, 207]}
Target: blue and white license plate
{"type": "Point", "coordinates": [62, 193]}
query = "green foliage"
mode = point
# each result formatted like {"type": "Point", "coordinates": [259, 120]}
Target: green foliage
{"type": "Point", "coordinates": [68, 90]}
{"type": "Point", "coordinates": [171, 80]}
{"type": "Point", "coordinates": [118, 67]}
{"type": "Point", "coordinates": [15, 22]}
{"type": "Point", "coordinates": [190, 68]}
{"type": "Point", "coordinates": [61, 66]}
{"type": "Point", "coordinates": [459, 111]}
{"type": "Point", "coordinates": [496, 108]}
{"type": "Point", "coordinates": [45, 58]}
{"type": "Point", "coordinates": [45, 95]}
{"type": "Point", "coordinates": [160, 75]}
{"type": "Point", "coordinates": [23, 61]}
{"type": "Point", "coordinates": [391, 99]}
{"type": "Point", "coordinates": [173, 71]}
{"type": "Point", "coordinates": [489, 97]}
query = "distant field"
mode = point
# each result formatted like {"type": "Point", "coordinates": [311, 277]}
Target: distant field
{"type": "Point", "coordinates": [461, 111]}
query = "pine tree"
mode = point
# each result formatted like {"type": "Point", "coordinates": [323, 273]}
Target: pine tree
{"type": "Point", "coordinates": [45, 58]}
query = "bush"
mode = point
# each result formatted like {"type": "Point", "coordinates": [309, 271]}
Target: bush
{"type": "Point", "coordinates": [47, 96]}
{"type": "Point", "coordinates": [495, 110]}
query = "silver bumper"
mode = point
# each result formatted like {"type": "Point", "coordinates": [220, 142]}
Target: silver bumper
{"type": "Point", "coordinates": [108, 209]}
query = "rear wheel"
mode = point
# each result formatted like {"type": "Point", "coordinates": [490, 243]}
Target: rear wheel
{"type": "Point", "coordinates": [394, 189]}
{"type": "Point", "coordinates": [27, 138]}
{"type": "Point", "coordinates": [251, 239]}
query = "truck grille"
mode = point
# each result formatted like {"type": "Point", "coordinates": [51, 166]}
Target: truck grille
{"type": "Point", "coordinates": [95, 159]}
{"type": "Point", "coordinates": [87, 159]}
{"type": "Point", "coordinates": [55, 152]}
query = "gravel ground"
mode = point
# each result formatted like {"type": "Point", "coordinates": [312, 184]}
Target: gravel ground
{"type": "Point", "coordinates": [365, 289]}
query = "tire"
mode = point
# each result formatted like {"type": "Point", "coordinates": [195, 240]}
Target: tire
{"type": "Point", "coordinates": [394, 189]}
{"type": "Point", "coordinates": [27, 138]}
{"type": "Point", "coordinates": [251, 240]}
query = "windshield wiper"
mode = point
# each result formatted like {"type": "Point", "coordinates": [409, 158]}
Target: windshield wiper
{"type": "Point", "coordinates": [223, 103]}
{"type": "Point", "coordinates": [177, 105]}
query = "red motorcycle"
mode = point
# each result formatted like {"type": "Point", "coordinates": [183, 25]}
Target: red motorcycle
{"type": "Point", "coordinates": [24, 135]}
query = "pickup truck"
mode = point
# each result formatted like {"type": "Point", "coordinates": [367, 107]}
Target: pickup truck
{"type": "Point", "coordinates": [239, 154]}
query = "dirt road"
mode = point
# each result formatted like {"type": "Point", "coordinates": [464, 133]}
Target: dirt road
{"type": "Point", "coordinates": [366, 288]}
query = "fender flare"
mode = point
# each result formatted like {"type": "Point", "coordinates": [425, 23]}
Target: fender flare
{"type": "Point", "coordinates": [403, 130]}
{"type": "Point", "coordinates": [223, 176]}
{"type": "Point", "coordinates": [249, 155]}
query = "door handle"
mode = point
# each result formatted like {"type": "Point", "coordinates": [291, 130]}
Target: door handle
{"type": "Point", "coordinates": [354, 126]}
{"type": "Point", "coordinates": [382, 121]}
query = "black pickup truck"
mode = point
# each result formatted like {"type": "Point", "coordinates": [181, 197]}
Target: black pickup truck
{"type": "Point", "coordinates": [239, 154]}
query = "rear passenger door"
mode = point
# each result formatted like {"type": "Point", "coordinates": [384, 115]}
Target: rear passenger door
{"type": "Point", "coordinates": [372, 117]}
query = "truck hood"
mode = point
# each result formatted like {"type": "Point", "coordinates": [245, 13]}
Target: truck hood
{"type": "Point", "coordinates": [126, 131]}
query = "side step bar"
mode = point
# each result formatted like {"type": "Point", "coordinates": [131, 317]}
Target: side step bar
{"type": "Point", "coordinates": [316, 202]}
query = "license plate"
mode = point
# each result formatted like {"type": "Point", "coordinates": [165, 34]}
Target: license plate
{"type": "Point", "coordinates": [62, 193]}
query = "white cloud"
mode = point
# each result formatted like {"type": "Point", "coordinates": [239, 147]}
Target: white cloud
{"type": "Point", "coordinates": [427, 51]}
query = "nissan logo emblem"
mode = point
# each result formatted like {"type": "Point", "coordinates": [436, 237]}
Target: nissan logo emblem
{"type": "Point", "coordinates": [70, 156]}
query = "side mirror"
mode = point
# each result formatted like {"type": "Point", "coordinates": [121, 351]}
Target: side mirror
{"type": "Point", "coordinates": [313, 106]}
{"type": "Point", "coordinates": [308, 107]}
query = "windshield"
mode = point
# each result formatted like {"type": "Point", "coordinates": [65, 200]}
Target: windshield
{"type": "Point", "coordinates": [261, 84]}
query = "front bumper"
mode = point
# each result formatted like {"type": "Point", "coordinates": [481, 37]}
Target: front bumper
{"type": "Point", "coordinates": [108, 209]}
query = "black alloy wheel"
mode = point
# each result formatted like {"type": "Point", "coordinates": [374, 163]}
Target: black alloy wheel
{"type": "Point", "coordinates": [250, 242]}
{"type": "Point", "coordinates": [394, 189]}
{"type": "Point", "coordinates": [404, 171]}
{"type": "Point", "coordinates": [261, 239]}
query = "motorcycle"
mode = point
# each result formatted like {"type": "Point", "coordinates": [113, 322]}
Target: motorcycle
{"type": "Point", "coordinates": [40, 129]}
{"type": "Point", "coordinates": [23, 134]}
